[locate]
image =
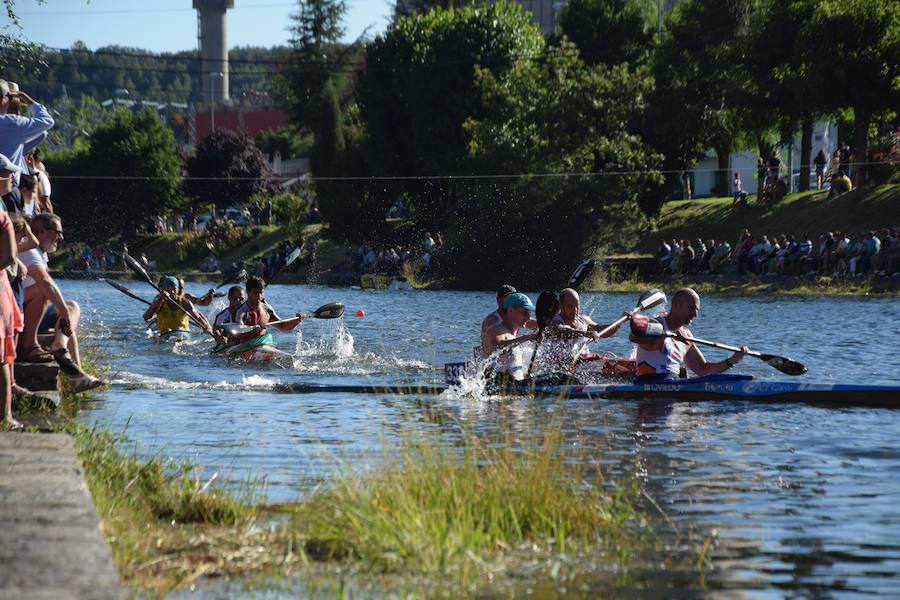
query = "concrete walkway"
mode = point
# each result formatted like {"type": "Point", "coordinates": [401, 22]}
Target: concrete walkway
{"type": "Point", "coordinates": [50, 540]}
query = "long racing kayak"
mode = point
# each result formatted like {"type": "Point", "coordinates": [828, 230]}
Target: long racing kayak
{"type": "Point", "coordinates": [258, 350]}
{"type": "Point", "coordinates": [713, 387]}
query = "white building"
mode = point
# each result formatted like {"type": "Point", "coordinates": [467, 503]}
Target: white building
{"type": "Point", "coordinates": [704, 180]}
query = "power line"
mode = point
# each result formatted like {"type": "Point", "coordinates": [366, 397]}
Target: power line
{"type": "Point", "coordinates": [144, 10]}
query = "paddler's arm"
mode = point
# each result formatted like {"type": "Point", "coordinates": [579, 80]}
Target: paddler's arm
{"type": "Point", "coordinates": [204, 300]}
{"type": "Point", "coordinates": [154, 307]}
{"type": "Point", "coordinates": [289, 324]}
{"type": "Point", "coordinates": [198, 316]}
{"type": "Point", "coordinates": [697, 363]}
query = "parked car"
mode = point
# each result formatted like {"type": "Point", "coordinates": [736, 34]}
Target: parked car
{"type": "Point", "coordinates": [203, 221]}
{"type": "Point", "coordinates": [238, 216]}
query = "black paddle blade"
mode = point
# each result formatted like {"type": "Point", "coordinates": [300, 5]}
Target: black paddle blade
{"type": "Point", "coordinates": [546, 308]}
{"type": "Point", "coordinates": [125, 290]}
{"type": "Point", "coordinates": [581, 273]}
{"type": "Point", "coordinates": [785, 365]}
{"type": "Point", "coordinates": [335, 310]}
{"type": "Point", "coordinates": [239, 275]}
{"type": "Point", "coordinates": [137, 268]}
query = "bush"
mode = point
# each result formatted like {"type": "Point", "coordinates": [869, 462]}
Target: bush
{"type": "Point", "coordinates": [287, 209]}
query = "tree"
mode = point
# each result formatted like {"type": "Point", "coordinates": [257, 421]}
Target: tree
{"type": "Point", "coordinates": [608, 31]}
{"type": "Point", "coordinates": [127, 174]}
{"type": "Point", "coordinates": [418, 89]}
{"type": "Point", "coordinates": [699, 75]}
{"type": "Point", "coordinates": [565, 129]}
{"type": "Point", "coordinates": [226, 169]}
{"type": "Point", "coordinates": [315, 58]}
{"type": "Point", "coordinates": [853, 46]}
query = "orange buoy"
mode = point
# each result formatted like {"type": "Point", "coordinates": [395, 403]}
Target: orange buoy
{"type": "Point", "coordinates": [360, 313]}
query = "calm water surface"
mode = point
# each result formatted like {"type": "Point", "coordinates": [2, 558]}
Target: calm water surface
{"type": "Point", "coordinates": [805, 499]}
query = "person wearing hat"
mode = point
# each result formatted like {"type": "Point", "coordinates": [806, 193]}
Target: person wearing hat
{"type": "Point", "coordinates": [502, 344]}
{"type": "Point", "coordinates": [497, 316]}
{"type": "Point", "coordinates": [19, 135]}
{"type": "Point", "coordinates": [169, 317]}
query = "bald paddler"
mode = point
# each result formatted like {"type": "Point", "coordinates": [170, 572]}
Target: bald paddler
{"type": "Point", "coordinates": [503, 338]}
{"type": "Point", "coordinates": [662, 358]}
{"type": "Point", "coordinates": [572, 329]}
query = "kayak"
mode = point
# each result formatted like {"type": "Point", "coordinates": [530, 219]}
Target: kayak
{"type": "Point", "coordinates": [712, 387]}
{"type": "Point", "coordinates": [587, 365]}
{"type": "Point", "coordinates": [258, 350]}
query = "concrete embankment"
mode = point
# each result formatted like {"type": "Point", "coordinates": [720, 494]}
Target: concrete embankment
{"type": "Point", "coordinates": [50, 541]}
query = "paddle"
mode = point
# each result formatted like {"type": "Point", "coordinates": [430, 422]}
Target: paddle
{"type": "Point", "coordinates": [326, 311]}
{"type": "Point", "coordinates": [140, 271]}
{"type": "Point", "coordinates": [546, 308]}
{"type": "Point", "coordinates": [648, 299]}
{"type": "Point", "coordinates": [126, 291]}
{"type": "Point", "coordinates": [239, 275]}
{"type": "Point", "coordinates": [651, 328]}
{"type": "Point", "coordinates": [581, 273]}
{"type": "Point", "coordinates": [294, 255]}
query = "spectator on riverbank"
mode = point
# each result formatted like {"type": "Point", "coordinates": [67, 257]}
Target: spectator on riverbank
{"type": "Point", "coordinates": [820, 161]}
{"type": "Point", "coordinates": [19, 135]}
{"type": "Point", "coordinates": [46, 308]}
{"type": "Point", "coordinates": [39, 171]}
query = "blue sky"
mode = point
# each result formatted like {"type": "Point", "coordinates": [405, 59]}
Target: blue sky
{"type": "Point", "coordinates": [171, 25]}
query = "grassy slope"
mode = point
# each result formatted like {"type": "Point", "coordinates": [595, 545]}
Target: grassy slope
{"type": "Point", "coordinates": [809, 212]}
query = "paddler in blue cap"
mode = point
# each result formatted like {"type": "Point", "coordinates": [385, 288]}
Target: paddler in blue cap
{"type": "Point", "coordinates": [165, 307]}
{"type": "Point", "coordinates": [503, 338]}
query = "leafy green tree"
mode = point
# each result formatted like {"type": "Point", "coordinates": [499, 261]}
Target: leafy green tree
{"type": "Point", "coordinates": [315, 58]}
{"type": "Point", "coordinates": [226, 169]}
{"type": "Point", "coordinates": [698, 75]}
{"type": "Point", "coordinates": [284, 140]}
{"type": "Point", "coordinates": [563, 128]}
{"type": "Point", "coordinates": [608, 31]}
{"type": "Point", "coordinates": [418, 89]}
{"type": "Point", "coordinates": [127, 174]}
{"type": "Point", "coordinates": [852, 46]}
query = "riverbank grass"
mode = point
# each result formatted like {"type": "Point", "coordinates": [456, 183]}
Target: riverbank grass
{"type": "Point", "coordinates": [464, 511]}
{"type": "Point", "coordinates": [426, 514]}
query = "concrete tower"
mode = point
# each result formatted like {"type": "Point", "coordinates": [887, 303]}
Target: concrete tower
{"type": "Point", "coordinates": [212, 32]}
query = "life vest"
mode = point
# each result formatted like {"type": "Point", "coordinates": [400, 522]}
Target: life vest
{"type": "Point", "coordinates": [171, 319]}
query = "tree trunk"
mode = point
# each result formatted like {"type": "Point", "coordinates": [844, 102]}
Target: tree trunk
{"type": "Point", "coordinates": [860, 147]}
{"type": "Point", "coordinates": [722, 155]}
{"type": "Point", "coordinates": [805, 153]}
{"type": "Point", "coordinates": [686, 185]}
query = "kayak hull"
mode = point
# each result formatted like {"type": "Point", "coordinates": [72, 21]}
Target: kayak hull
{"type": "Point", "coordinates": [588, 365]}
{"type": "Point", "coordinates": [712, 388]}
{"type": "Point", "coordinates": [261, 350]}
{"type": "Point", "coordinates": [174, 336]}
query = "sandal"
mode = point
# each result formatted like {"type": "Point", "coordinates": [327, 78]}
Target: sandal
{"type": "Point", "coordinates": [35, 354]}
{"type": "Point", "coordinates": [65, 362]}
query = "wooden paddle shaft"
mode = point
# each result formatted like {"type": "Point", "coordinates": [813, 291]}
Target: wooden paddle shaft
{"type": "Point", "coordinates": [672, 334]}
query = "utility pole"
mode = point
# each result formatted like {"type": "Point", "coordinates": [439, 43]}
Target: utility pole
{"type": "Point", "coordinates": [212, 98]}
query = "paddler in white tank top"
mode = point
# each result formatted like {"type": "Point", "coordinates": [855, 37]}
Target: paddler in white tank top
{"type": "Point", "coordinates": [502, 342]}
{"type": "Point", "coordinates": [257, 313]}
{"type": "Point", "coordinates": [663, 358]}
{"type": "Point", "coordinates": [572, 329]}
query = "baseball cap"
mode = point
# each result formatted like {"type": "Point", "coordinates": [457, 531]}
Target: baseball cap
{"type": "Point", "coordinates": [168, 281]}
{"type": "Point", "coordinates": [8, 165]}
{"type": "Point", "coordinates": [518, 299]}
{"type": "Point", "coordinates": [505, 290]}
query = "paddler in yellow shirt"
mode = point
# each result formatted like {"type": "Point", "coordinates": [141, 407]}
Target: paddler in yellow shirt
{"type": "Point", "coordinates": [168, 317]}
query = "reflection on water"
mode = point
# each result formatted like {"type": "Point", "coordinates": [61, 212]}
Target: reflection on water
{"type": "Point", "coordinates": [803, 498]}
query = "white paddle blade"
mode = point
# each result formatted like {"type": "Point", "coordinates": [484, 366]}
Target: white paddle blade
{"type": "Point", "coordinates": [651, 298]}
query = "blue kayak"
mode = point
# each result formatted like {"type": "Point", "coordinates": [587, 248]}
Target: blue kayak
{"type": "Point", "coordinates": [713, 387]}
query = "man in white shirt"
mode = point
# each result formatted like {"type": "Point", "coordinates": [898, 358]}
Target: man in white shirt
{"type": "Point", "coordinates": [42, 294]}
{"type": "Point", "coordinates": [19, 135]}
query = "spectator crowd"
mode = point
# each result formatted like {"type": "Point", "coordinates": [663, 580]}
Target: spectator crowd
{"type": "Point", "coordinates": [835, 254]}
{"type": "Point", "coordinates": [31, 303]}
{"type": "Point", "coordinates": [393, 260]}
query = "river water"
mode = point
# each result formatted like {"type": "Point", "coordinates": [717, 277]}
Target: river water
{"type": "Point", "coordinates": [804, 499]}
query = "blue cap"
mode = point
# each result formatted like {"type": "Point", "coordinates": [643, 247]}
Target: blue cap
{"type": "Point", "coordinates": [518, 299]}
{"type": "Point", "coordinates": [168, 281]}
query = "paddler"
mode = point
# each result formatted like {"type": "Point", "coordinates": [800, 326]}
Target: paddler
{"type": "Point", "coordinates": [496, 317]}
{"type": "Point", "coordinates": [662, 357]}
{"type": "Point", "coordinates": [255, 312]}
{"type": "Point", "coordinates": [571, 329]}
{"type": "Point", "coordinates": [204, 300]}
{"type": "Point", "coordinates": [503, 338]}
{"type": "Point", "coordinates": [236, 298]}
{"type": "Point", "coordinates": [165, 307]}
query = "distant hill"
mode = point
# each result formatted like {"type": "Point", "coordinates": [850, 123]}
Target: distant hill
{"type": "Point", "coordinates": [810, 212]}
{"type": "Point", "coordinates": [169, 77]}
